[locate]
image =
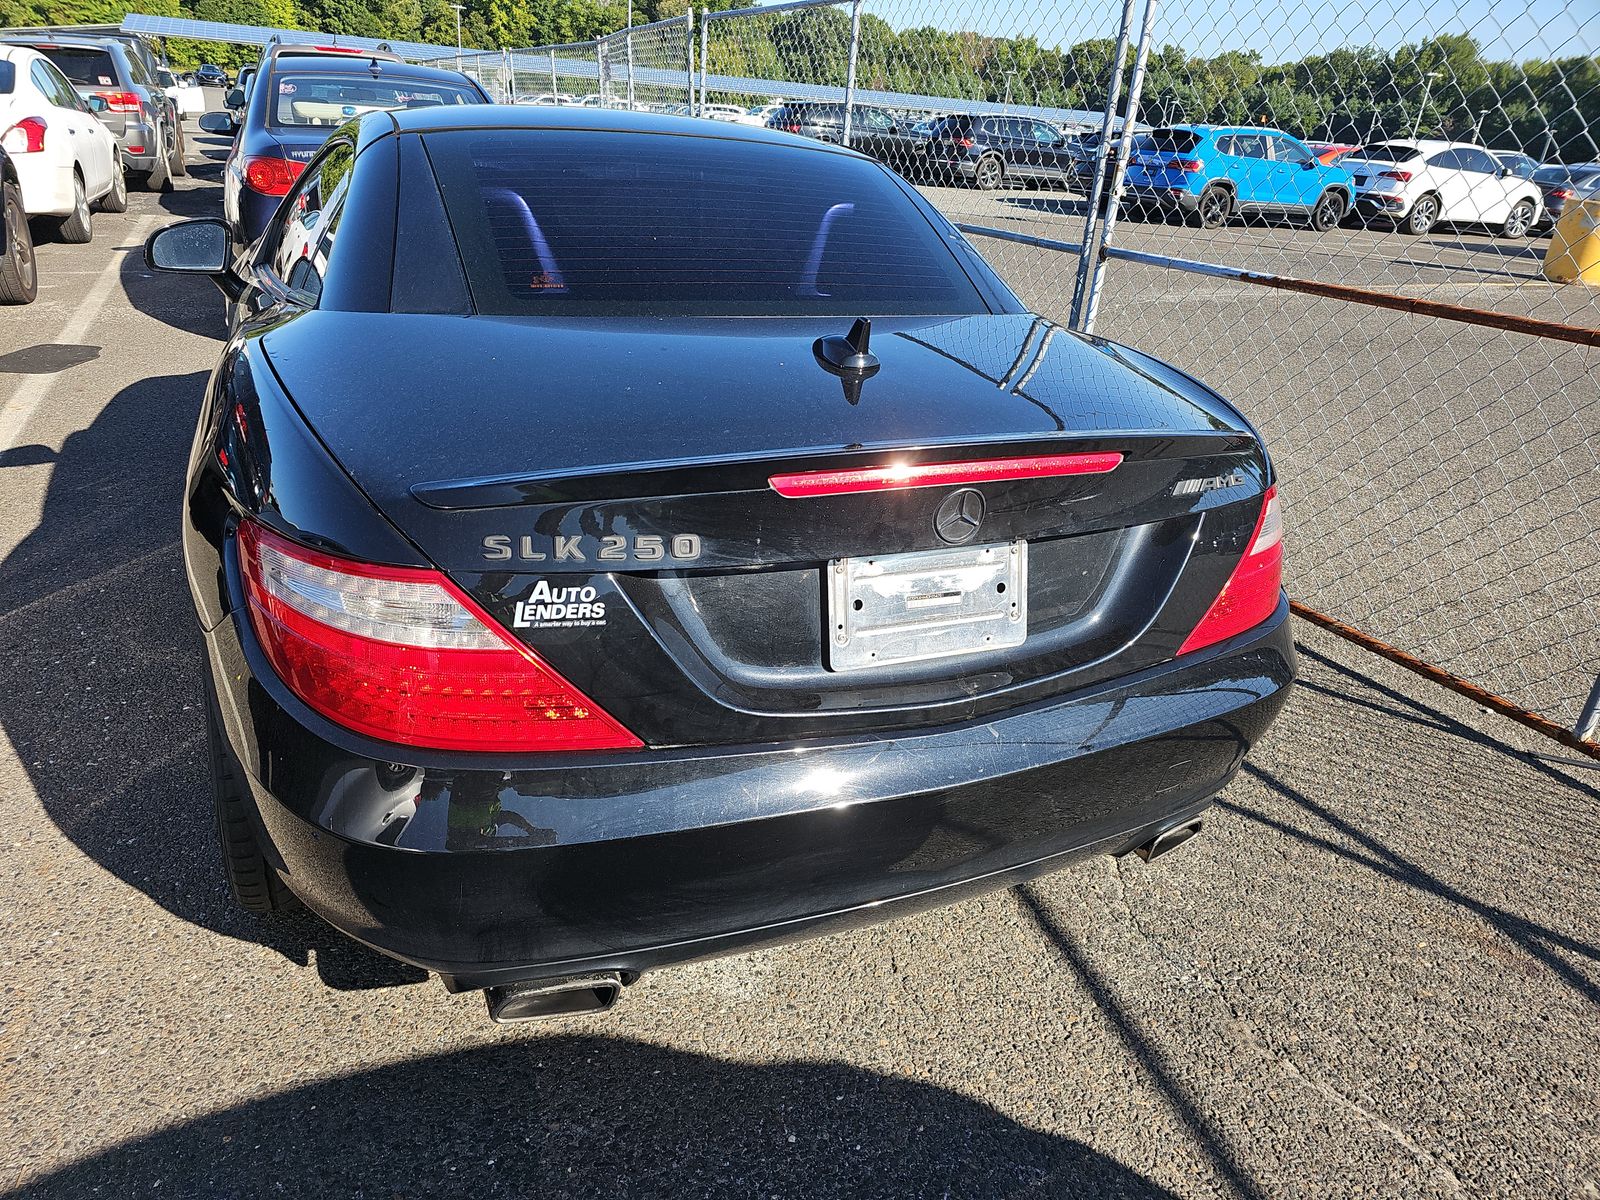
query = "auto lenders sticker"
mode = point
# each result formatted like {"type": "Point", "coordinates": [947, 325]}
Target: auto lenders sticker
{"type": "Point", "coordinates": [559, 608]}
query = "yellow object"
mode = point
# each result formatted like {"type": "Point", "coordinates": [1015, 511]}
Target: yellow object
{"type": "Point", "coordinates": [1574, 253]}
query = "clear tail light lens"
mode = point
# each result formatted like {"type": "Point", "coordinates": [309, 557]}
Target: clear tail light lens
{"type": "Point", "coordinates": [1251, 594]}
{"type": "Point", "coordinates": [271, 176]}
{"type": "Point", "coordinates": [403, 655]}
{"type": "Point", "coordinates": [25, 137]}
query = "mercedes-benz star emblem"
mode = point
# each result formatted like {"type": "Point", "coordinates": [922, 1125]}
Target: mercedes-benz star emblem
{"type": "Point", "coordinates": [959, 516]}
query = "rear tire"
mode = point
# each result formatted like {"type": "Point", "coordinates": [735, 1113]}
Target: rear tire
{"type": "Point", "coordinates": [116, 200]}
{"type": "Point", "coordinates": [78, 227]}
{"type": "Point", "coordinates": [990, 173]}
{"type": "Point", "coordinates": [1328, 212]}
{"type": "Point", "coordinates": [1519, 221]}
{"type": "Point", "coordinates": [19, 271]}
{"type": "Point", "coordinates": [1213, 208]}
{"type": "Point", "coordinates": [177, 164]}
{"type": "Point", "coordinates": [1424, 215]}
{"type": "Point", "coordinates": [255, 885]}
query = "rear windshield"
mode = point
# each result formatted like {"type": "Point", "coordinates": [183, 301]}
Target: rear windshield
{"type": "Point", "coordinates": [570, 222]}
{"type": "Point", "coordinates": [8, 77]}
{"type": "Point", "coordinates": [1383, 152]}
{"type": "Point", "coordinates": [1552, 175]}
{"type": "Point", "coordinates": [91, 68]}
{"type": "Point", "coordinates": [323, 99]}
{"type": "Point", "coordinates": [1169, 141]}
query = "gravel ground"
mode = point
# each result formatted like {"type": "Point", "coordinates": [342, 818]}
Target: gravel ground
{"type": "Point", "coordinates": [1378, 974]}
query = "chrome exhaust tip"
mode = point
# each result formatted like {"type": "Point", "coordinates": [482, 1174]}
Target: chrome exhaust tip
{"type": "Point", "coordinates": [1169, 839]}
{"type": "Point", "coordinates": [563, 996]}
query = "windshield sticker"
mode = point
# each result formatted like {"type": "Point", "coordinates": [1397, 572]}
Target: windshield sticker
{"type": "Point", "coordinates": [559, 608]}
{"type": "Point", "coordinates": [286, 88]}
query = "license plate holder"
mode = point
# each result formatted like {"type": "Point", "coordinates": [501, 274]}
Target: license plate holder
{"type": "Point", "coordinates": [901, 608]}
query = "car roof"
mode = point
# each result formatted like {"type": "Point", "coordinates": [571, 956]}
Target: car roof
{"type": "Point", "coordinates": [344, 64]}
{"type": "Point", "coordinates": [592, 120]}
{"type": "Point", "coordinates": [80, 42]}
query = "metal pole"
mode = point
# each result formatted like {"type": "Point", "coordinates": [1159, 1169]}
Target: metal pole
{"type": "Point", "coordinates": [555, 92]}
{"type": "Point", "coordinates": [688, 37]}
{"type": "Point", "coordinates": [705, 59]}
{"type": "Point", "coordinates": [600, 68]}
{"type": "Point", "coordinates": [1588, 727]}
{"type": "Point", "coordinates": [458, 8]}
{"type": "Point", "coordinates": [850, 71]}
{"type": "Point", "coordinates": [1091, 299]}
{"type": "Point", "coordinates": [630, 59]}
{"type": "Point", "coordinates": [1427, 82]}
{"type": "Point", "coordinates": [1097, 184]}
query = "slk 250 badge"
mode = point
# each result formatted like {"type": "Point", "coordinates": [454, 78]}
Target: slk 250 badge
{"type": "Point", "coordinates": [680, 547]}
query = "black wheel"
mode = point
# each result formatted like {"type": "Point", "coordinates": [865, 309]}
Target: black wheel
{"type": "Point", "coordinates": [1424, 215]}
{"type": "Point", "coordinates": [255, 885]}
{"type": "Point", "coordinates": [1519, 221]}
{"type": "Point", "coordinates": [78, 226]}
{"type": "Point", "coordinates": [19, 272]}
{"type": "Point", "coordinates": [1328, 212]}
{"type": "Point", "coordinates": [116, 200]}
{"type": "Point", "coordinates": [991, 173]}
{"type": "Point", "coordinates": [177, 164]}
{"type": "Point", "coordinates": [1213, 208]}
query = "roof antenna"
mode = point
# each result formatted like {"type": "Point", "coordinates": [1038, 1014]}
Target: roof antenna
{"type": "Point", "coordinates": [849, 357]}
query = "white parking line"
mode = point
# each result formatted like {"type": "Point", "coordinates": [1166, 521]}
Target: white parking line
{"type": "Point", "coordinates": [31, 392]}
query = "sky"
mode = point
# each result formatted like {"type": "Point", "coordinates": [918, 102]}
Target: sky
{"type": "Point", "coordinates": [1282, 30]}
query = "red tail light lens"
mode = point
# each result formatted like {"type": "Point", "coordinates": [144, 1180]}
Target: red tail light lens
{"type": "Point", "coordinates": [1189, 166]}
{"type": "Point", "coordinates": [271, 176]}
{"type": "Point", "coordinates": [1401, 176]}
{"type": "Point", "coordinates": [25, 137]}
{"type": "Point", "coordinates": [965, 142]}
{"type": "Point", "coordinates": [917, 475]}
{"type": "Point", "coordinates": [1562, 193]}
{"type": "Point", "coordinates": [1251, 594]}
{"type": "Point", "coordinates": [404, 655]}
{"type": "Point", "coordinates": [120, 102]}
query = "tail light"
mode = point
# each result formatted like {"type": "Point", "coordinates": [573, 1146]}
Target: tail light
{"type": "Point", "coordinates": [1189, 166]}
{"type": "Point", "coordinates": [404, 655]}
{"type": "Point", "coordinates": [1562, 193]}
{"type": "Point", "coordinates": [1251, 594]}
{"type": "Point", "coordinates": [120, 102]}
{"type": "Point", "coordinates": [271, 176]}
{"type": "Point", "coordinates": [790, 127]}
{"type": "Point", "coordinates": [1399, 176]}
{"type": "Point", "coordinates": [25, 137]}
{"type": "Point", "coordinates": [966, 143]}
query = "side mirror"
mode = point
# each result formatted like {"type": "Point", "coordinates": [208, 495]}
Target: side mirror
{"type": "Point", "coordinates": [235, 98]}
{"type": "Point", "coordinates": [1308, 164]}
{"type": "Point", "coordinates": [1506, 172]}
{"type": "Point", "coordinates": [197, 247]}
{"type": "Point", "coordinates": [97, 104]}
{"type": "Point", "coordinates": [217, 122]}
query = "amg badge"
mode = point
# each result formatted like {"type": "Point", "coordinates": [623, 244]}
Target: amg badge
{"type": "Point", "coordinates": [1193, 487]}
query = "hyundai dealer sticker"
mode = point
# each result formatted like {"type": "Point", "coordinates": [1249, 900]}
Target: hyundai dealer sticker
{"type": "Point", "coordinates": [559, 608]}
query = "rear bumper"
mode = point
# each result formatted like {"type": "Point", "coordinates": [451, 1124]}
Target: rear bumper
{"type": "Point", "coordinates": [489, 872]}
{"type": "Point", "coordinates": [1152, 196]}
{"type": "Point", "coordinates": [1383, 204]}
{"type": "Point", "coordinates": [46, 184]}
{"type": "Point", "coordinates": [148, 142]}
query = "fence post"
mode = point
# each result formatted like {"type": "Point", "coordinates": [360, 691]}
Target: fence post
{"type": "Point", "coordinates": [1097, 275]}
{"type": "Point", "coordinates": [555, 92]}
{"type": "Point", "coordinates": [850, 71]}
{"type": "Point", "coordinates": [629, 44]}
{"type": "Point", "coordinates": [1588, 727]}
{"type": "Point", "coordinates": [705, 61]}
{"type": "Point", "coordinates": [600, 60]}
{"type": "Point", "coordinates": [1102, 151]}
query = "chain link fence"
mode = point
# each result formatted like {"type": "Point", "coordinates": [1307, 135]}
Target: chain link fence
{"type": "Point", "coordinates": [1337, 216]}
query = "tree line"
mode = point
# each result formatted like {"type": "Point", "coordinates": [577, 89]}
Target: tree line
{"type": "Point", "coordinates": [1442, 86]}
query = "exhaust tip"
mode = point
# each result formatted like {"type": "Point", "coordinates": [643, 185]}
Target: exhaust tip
{"type": "Point", "coordinates": [563, 996]}
{"type": "Point", "coordinates": [1169, 839]}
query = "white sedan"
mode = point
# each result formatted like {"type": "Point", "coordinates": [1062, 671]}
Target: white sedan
{"type": "Point", "coordinates": [66, 159]}
{"type": "Point", "coordinates": [728, 112]}
{"type": "Point", "coordinates": [1417, 184]}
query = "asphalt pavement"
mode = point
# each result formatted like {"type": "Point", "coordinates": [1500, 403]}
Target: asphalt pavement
{"type": "Point", "coordinates": [1377, 974]}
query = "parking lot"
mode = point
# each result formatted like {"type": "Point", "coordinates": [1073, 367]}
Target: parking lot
{"type": "Point", "coordinates": [1377, 974]}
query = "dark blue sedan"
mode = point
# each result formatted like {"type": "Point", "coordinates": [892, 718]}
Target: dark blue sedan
{"type": "Point", "coordinates": [297, 100]}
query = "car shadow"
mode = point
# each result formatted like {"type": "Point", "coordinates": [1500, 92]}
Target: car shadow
{"type": "Point", "coordinates": [588, 1116]}
{"type": "Point", "coordinates": [190, 303]}
{"type": "Point", "coordinates": [105, 711]}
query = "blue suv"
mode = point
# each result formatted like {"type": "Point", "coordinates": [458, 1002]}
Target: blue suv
{"type": "Point", "coordinates": [1208, 173]}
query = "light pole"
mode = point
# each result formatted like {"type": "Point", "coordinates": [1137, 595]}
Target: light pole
{"type": "Point", "coordinates": [458, 8]}
{"type": "Point", "coordinates": [1010, 75]}
{"type": "Point", "coordinates": [1427, 82]}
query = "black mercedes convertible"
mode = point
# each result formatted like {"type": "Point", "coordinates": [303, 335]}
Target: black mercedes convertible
{"type": "Point", "coordinates": [625, 539]}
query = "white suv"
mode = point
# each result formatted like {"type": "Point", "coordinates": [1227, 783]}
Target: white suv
{"type": "Point", "coordinates": [1418, 184]}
